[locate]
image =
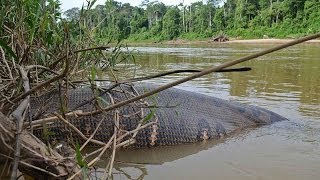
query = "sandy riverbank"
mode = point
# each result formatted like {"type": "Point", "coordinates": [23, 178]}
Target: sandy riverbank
{"type": "Point", "coordinates": [269, 41]}
{"type": "Point", "coordinates": [232, 41]}
{"type": "Point", "coordinates": [237, 41]}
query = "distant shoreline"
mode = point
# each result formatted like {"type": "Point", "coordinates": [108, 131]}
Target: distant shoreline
{"type": "Point", "coordinates": [232, 41]}
{"type": "Point", "coordinates": [238, 41]}
{"type": "Point", "coordinates": [269, 41]}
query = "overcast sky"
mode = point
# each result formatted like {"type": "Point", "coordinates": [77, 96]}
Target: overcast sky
{"type": "Point", "coordinates": [68, 4]}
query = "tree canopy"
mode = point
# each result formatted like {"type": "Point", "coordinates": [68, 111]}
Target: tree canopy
{"type": "Point", "coordinates": [155, 21]}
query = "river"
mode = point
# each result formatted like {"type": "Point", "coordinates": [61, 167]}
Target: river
{"type": "Point", "coordinates": [286, 82]}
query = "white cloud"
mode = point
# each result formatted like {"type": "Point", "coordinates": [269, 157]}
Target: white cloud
{"type": "Point", "coordinates": [68, 4]}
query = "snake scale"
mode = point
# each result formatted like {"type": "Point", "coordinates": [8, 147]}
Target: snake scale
{"type": "Point", "coordinates": [182, 116]}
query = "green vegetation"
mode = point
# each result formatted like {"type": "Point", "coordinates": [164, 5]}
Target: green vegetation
{"type": "Point", "coordinates": [154, 21]}
{"type": "Point", "coordinates": [40, 51]}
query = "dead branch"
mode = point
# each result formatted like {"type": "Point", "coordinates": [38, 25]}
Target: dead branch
{"type": "Point", "coordinates": [78, 131]}
{"type": "Point", "coordinates": [34, 153]}
{"type": "Point", "coordinates": [3, 58]}
{"type": "Point", "coordinates": [182, 71]}
{"type": "Point", "coordinates": [47, 120]}
{"type": "Point", "coordinates": [92, 135]}
{"type": "Point", "coordinates": [164, 74]}
{"type": "Point", "coordinates": [116, 138]}
{"type": "Point", "coordinates": [33, 167]}
{"type": "Point", "coordinates": [102, 93]}
{"type": "Point", "coordinates": [75, 52]}
{"type": "Point", "coordinates": [95, 159]}
{"type": "Point", "coordinates": [19, 115]}
{"type": "Point", "coordinates": [110, 164]}
{"type": "Point", "coordinates": [31, 91]}
{"type": "Point", "coordinates": [129, 141]}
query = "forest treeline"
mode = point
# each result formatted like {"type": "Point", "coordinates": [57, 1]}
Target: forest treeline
{"type": "Point", "coordinates": [155, 21]}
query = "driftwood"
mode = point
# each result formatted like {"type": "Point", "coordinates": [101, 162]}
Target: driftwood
{"type": "Point", "coordinates": [36, 159]}
{"type": "Point", "coordinates": [221, 38]}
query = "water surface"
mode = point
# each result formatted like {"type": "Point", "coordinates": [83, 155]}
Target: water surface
{"type": "Point", "coordinates": [286, 82]}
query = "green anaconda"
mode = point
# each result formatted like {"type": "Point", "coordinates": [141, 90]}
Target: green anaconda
{"type": "Point", "coordinates": [182, 116]}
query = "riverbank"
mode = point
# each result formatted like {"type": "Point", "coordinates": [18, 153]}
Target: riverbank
{"type": "Point", "coordinates": [269, 41]}
{"type": "Point", "coordinates": [232, 41]}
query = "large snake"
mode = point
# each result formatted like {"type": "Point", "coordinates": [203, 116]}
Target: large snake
{"type": "Point", "coordinates": [182, 116]}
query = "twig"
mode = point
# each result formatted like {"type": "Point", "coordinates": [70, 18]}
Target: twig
{"type": "Point", "coordinates": [114, 139]}
{"type": "Point", "coordinates": [5, 166]}
{"type": "Point", "coordinates": [78, 51]}
{"type": "Point", "coordinates": [131, 114]}
{"type": "Point", "coordinates": [122, 137]}
{"type": "Point", "coordinates": [3, 58]}
{"type": "Point", "coordinates": [102, 93]}
{"type": "Point", "coordinates": [6, 86]}
{"type": "Point", "coordinates": [5, 143]}
{"type": "Point", "coordinates": [135, 130]}
{"type": "Point", "coordinates": [164, 74]}
{"type": "Point", "coordinates": [103, 150]}
{"type": "Point", "coordinates": [41, 67]}
{"type": "Point", "coordinates": [5, 130]}
{"type": "Point", "coordinates": [94, 132]}
{"type": "Point", "coordinates": [182, 71]}
{"type": "Point", "coordinates": [31, 91]}
{"type": "Point", "coordinates": [19, 115]}
{"type": "Point", "coordinates": [125, 92]}
{"type": "Point", "coordinates": [114, 146]}
{"type": "Point", "coordinates": [54, 118]}
{"type": "Point", "coordinates": [34, 167]}
{"type": "Point", "coordinates": [78, 131]}
{"type": "Point", "coordinates": [95, 159]}
{"type": "Point", "coordinates": [48, 69]}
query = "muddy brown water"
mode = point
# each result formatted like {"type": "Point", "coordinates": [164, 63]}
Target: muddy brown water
{"type": "Point", "coordinates": [286, 82]}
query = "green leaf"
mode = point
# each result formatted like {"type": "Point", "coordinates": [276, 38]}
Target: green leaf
{"type": "Point", "coordinates": [177, 113]}
{"type": "Point", "coordinates": [7, 48]}
{"type": "Point", "coordinates": [34, 24]}
{"type": "Point", "coordinates": [46, 132]}
{"type": "Point", "coordinates": [79, 157]}
{"type": "Point", "coordinates": [92, 3]}
{"type": "Point", "coordinates": [102, 102]}
{"type": "Point", "coordinates": [149, 116]}
{"type": "Point", "coordinates": [93, 72]}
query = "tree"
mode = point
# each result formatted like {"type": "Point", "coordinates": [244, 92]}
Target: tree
{"type": "Point", "coordinates": [72, 14]}
{"type": "Point", "coordinates": [138, 20]}
{"type": "Point", "coordinates": [236, 17]}
{"type": "Point", "coordinates": [171, 20]}
{"type": "Point", "coordinates": [219, 19]}
{"type": "Point", "coordinates": [312, 15]}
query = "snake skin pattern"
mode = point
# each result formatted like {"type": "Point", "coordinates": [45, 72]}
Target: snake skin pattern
{"type": "Point", "coordinates": [183, 117]}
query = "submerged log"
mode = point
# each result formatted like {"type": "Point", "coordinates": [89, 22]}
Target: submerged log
{"type": "Point", "coordinates": [37, 160]}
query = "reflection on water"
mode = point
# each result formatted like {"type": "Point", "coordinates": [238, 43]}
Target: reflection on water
{"type": "Point", "coordinates": [265, 153]}
{"type": "Point", "coordinates": [286, 82]}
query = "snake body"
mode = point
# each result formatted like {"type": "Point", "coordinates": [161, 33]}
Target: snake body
{"type": "Point", "coordinates": [182, 116]}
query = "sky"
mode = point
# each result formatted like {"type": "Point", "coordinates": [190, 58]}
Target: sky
{"type": "Point", "coordinates": [68, 4]}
